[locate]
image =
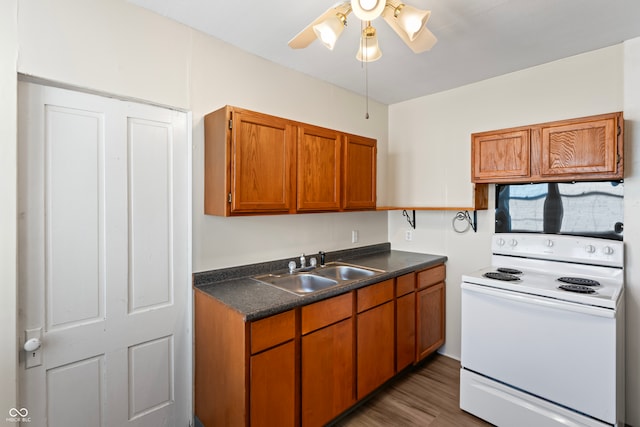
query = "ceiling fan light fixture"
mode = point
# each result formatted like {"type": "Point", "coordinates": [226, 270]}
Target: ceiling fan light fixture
{"type": "Point", "coordinates": [330, 29]}
{"type": "Point", "coordinates": [411, 20]}
{"type": "Point", "coordinates": [368, 10]}
{"type": "Point", "coordinates": [369, 49]}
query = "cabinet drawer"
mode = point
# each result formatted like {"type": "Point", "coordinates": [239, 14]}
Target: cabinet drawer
{"type": "Point", "coordinates": [431, 276]}
{"type": "Point", "coordinates": [271, 331]}
{"type": "Point", "coordinates": [323, 313]}
{"type": "Point", "coordinates": [405, 284]}
{"type": "Point", "coordinates": [375, 295]}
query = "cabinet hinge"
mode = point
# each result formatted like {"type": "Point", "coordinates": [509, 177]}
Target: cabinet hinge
{"type": "Point", "coordinates": [229, 198]}
{"type": "Point", "coordinates": [619, 130]}
{"type": "Point", "coordinates": [230, 123]}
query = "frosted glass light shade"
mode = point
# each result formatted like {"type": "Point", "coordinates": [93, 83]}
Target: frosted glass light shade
{"type": "Point", "coordinates": [329, 30]}
{"type": "Point", "coordinates": [369, 49]}
{"type": "Point", "coordinates": [412, 20]}
{"type": "Point", "coordinates": [367, 10]}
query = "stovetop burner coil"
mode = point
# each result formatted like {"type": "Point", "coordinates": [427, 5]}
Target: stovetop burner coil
{"type": "Point", "coordinates": [581, 289]}
{"type": "Point", "coordinates": [579, 281]}
{"type": "Point", "coordinates": [509, 270]}
{"type": "Point", "coordinates": [501, 276]}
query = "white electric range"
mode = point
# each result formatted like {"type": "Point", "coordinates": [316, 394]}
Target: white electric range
{"type": "Point", "coordinates": [543, 332]}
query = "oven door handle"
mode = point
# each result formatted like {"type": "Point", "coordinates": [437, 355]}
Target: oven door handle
{"type": "Point", "coordinates": [545, 302]}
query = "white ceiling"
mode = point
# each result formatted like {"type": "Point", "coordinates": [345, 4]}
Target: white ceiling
{"type": "Point", "coordinates": [477, 39]}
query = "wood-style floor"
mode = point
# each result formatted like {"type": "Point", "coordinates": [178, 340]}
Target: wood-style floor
{"type": "Point", "coordinates": [426, 397]}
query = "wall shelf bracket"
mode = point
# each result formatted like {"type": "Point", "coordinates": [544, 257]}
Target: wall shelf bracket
{"type": "Point", "coordinates": [411, 219]}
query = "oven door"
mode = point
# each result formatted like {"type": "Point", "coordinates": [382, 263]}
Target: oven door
{"type": "Point", "coordinates": [559, 351]}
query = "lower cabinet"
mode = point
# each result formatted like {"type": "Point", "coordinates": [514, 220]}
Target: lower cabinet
{"type": "Point", "coordinates": [405, 321]}
{"type": "Point", "coordinates": [375, 349]}
{"type": "Point", "coordinates": [245, 373]}
{"type": "Point", "coordinates": [430, 311]}
{"type": "Point", "coordinates": [327, 365]}
{"type": "Point", "coordinates": [272, 373]}
{"type": "Point", "coordinates": [327, 373]}
{"type": "Point", "coordinates": [273, 387]}
{"type": "Point", "coordinates": [306, 366]}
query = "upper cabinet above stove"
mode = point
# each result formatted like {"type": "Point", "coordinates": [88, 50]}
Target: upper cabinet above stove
{"type": "Point", "coordinates": [583, 149]}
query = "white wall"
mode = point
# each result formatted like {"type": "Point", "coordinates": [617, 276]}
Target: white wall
{"type": "Point", "coordinates": [632, 225]}
{"type": "Point", "coordinates": [438, 148]}
{"type": "Point", "coordinates": [253, 83]}
{"type": "Point", "coordinates": [429, 137]}
{"type": "Point", "coordinates": [8, 197]}
{"type": "Point", "coordinates": [113, 47]}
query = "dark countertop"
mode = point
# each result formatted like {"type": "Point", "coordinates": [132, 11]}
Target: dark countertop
{"type": "Point", "coordinates": [235, 288]}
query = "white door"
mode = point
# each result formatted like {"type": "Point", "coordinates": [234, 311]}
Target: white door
{"type": "Point", "coordinates": [104, 261]}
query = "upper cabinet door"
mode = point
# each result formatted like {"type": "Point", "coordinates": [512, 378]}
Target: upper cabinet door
{"type": "Point", "coordinates": [248, 163]}
{"type": "Point", "coordinates": [359, 174]}
{"type": "Point", "coordinates": [580, 148]}
{"type": "Point", "coordinates": [500, 156]}
{"type": "Point", "coordinates": [261, 155]}
{"type": "Point", "coordinates": [318, 164]}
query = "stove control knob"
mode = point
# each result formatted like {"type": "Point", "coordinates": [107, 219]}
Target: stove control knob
{"type": "Point", "coordinates": [608, 250]}
{"type": "Point", "coordinates": [513, 242]}
{"type": "Point", "coordinates": [549, 242]}
{"type": "Point", "coordinates": [500, 241]}
{"type": "Point", "coordinates": [590, 249]}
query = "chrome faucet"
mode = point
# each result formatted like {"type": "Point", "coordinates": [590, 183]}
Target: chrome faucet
{"type": "Point", "coordinates": [303, 264]}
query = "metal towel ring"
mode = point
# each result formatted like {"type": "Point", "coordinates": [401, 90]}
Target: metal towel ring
{"type": "Point", "coordinates": [461, 216]}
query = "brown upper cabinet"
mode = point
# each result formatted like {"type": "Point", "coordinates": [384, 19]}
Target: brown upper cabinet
{"type": "Point", "coordinates": [359, 186]}
{"type": "Point", "coordinates": [318, 165]}
{"type": "Point", "coordinates": [583, 149]}
{"type": "Point", "coordinates": [248, 163]}
{"type": "Point", "coordinates": [258, 164]}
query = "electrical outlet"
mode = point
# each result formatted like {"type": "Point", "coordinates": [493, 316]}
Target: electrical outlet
{"type": "Point", "coordinates": [355, 236]}
{"type": "Point", "coordinates": [408, 236]}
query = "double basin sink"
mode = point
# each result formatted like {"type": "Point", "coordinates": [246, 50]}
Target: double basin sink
{"type": "Point", "coordinates": [319, 278]}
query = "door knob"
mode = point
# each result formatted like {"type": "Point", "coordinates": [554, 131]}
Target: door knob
{"type": "Point", "coordinates": [32, 345]}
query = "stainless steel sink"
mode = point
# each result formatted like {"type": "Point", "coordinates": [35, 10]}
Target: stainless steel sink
{"type": "Point", "coordinates": [318, 278]}
{"type": "Point", "coordinates": [344, 272]}
{"type": "Point", "coordinates": [299, 283]}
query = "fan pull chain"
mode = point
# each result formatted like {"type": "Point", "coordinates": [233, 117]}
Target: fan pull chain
{"type": "Point", "coordinates": [365, 49]}
{"type": "Point", "coordinates": [366, 84]}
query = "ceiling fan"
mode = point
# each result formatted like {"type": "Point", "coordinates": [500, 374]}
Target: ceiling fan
{"type": "Point", "coordinates": [407, 21]}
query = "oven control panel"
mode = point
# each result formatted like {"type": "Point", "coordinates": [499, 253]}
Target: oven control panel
{"type": "Point", "coordinates": [586, 250]}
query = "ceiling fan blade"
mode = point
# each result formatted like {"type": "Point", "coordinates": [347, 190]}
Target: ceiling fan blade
{"type": "Point", "coordinates": [305, 37]}
{"type": "Point", "coordinates": [423, 42]}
